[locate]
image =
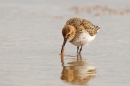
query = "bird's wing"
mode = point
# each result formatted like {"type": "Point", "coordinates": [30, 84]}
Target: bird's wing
{"type": "Point", "coordinates": [87, 25]}
{"type": "Point", "coordinates": [76, 22]}
{"type": "Point", "coordinates": [90, 28]}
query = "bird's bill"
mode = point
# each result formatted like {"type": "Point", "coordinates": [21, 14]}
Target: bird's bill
{"type": "Point", "coordinates": [62, 49]}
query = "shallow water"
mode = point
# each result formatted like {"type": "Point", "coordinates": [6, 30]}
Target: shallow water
{"type": "Point", "coordinates": [30, 43]}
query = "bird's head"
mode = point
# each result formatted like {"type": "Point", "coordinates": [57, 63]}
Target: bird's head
{"type": "Point", "coordinates": [68, 33]}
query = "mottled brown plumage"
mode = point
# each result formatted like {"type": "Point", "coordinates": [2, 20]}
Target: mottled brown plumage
{"type": "Point", "coordinates": [88, 26]}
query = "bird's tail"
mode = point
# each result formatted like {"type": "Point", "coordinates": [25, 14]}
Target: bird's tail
{"type": "Point", "coordinates": [95, 26]}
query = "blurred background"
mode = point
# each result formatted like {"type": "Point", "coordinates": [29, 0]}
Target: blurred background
{"type": "Point", "coordinates": [31, 39]}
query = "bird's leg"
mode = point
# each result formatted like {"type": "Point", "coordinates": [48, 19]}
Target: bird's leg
{"type": "Point", "coordinates": [80, 50]}
{"type": "Point", "coordinates": [77, 49]}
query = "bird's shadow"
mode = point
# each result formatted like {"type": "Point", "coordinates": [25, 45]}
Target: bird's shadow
{"type": "Point", "coordinates": [77, 71]}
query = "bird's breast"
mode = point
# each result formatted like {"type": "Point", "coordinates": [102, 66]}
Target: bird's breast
{"type": "Point", "coordinates": [82, 38]}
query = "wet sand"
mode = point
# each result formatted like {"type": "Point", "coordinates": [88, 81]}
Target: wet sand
{"type": "Point", "coordinates": [31, 40]}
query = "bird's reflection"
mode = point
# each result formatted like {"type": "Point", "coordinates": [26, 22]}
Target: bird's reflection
{"type": "Point", "coordinates": [77, 71]}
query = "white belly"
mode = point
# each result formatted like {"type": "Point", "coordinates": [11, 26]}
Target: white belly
{"type": "Point", "coordinates": [82, 39]}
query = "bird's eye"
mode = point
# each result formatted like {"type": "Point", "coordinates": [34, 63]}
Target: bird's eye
{"type": "Point", "coordinates": [68, 35]}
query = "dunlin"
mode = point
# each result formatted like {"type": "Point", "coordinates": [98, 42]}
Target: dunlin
{"type": "Point", "coordinates": [79, 32]}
